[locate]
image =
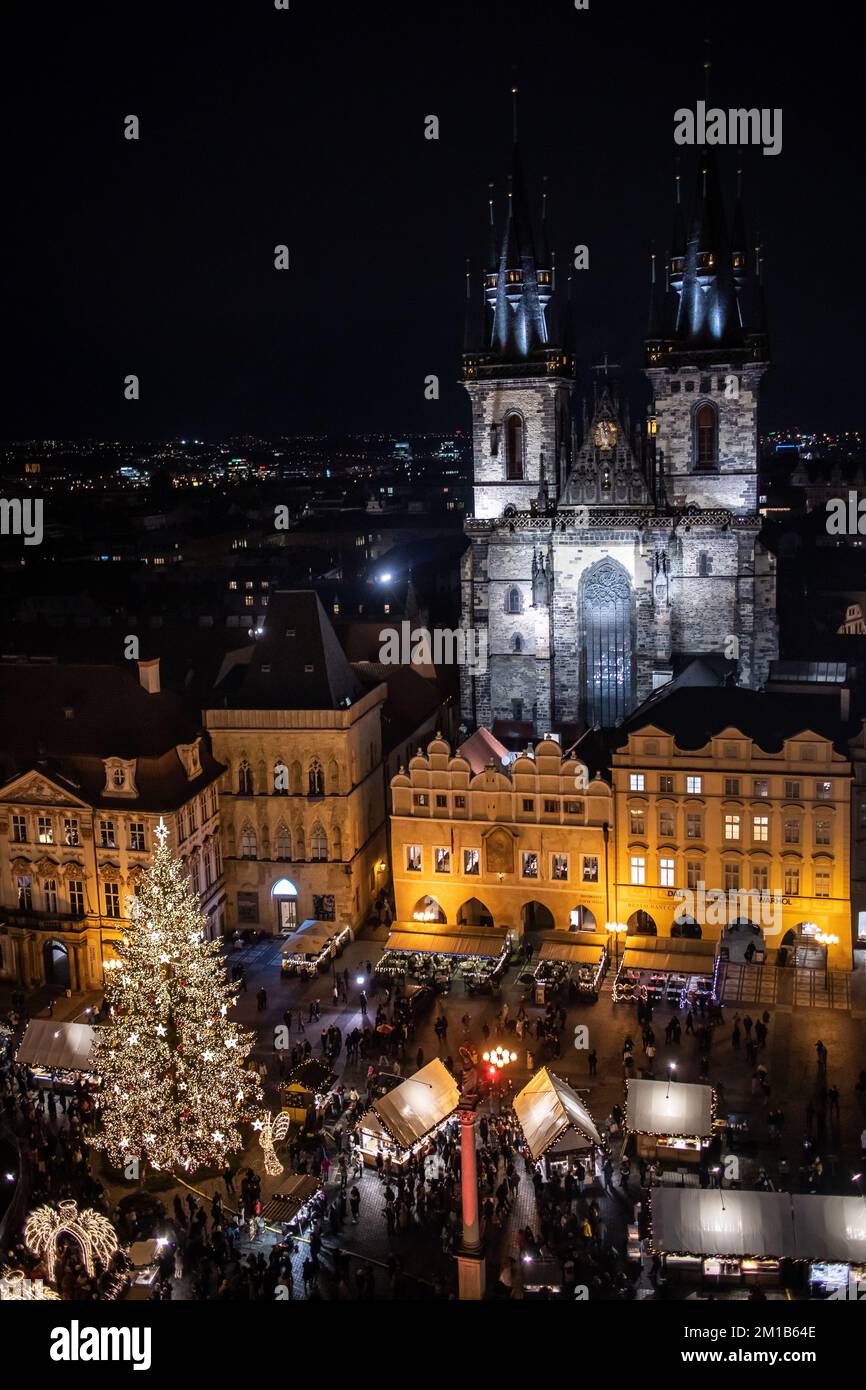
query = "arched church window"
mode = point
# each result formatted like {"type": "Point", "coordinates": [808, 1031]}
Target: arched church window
{"type": "Point", "coordinates": [608, 639]}
{"type": "Point", "coordinates": [706, 436]}
{"type": "Point", "coordinates": [318, 843]}
{"type": "Point", "coordinates": [513, 600]}
{"type": "Point", "coordinates": [282, 842]}
{"type": "Point", "coordinates": [316, 778]}
{"type": "Point", "coordinates": [245, 779]}
{"type": "Point", "coordinates": [514, 447]}
{"type": "Point", "coordinates": [249, 846]}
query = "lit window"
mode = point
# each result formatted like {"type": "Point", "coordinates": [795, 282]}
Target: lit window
{"type": "Point", "coordinates": [636, 823]}
{"type": "Point", "coordinates": [693, 785]}
{"type": "Point", "coordinates": [106, 834]}
{"type": "Point", "coordinates": [529, 864]}
{"type": "Point", "coordinates": [823, 791]}
{"type": "Point", "coordinates": [71, 833]}
{"type": "Point", "coordinates": [559, 867]}
{"type": "Point", "coordinates": [45, 831]}
{"type": "Point", "coordinates": [471, 861]}
{"type": "Point", "coordinates": [761, 786]}
{"type": "Point", "coordinates": [413, 859]}
{"type": "Point", "coordinates": [136, 835]}
{"type": "Point", "coordinates": [666, 873]}
{"type": "Point", "coordinates": [760, 829]}
{"type": "Point", "coordinates": [732, 827]}
{"type": "Point", "coordinates": [589, 873]}
{"type": "Point", "coordinates": [636, 782]}
{"type": "Point", "coordinates": [442, 861]}
{"type": "Point", "coordinates": [638, 869]}
{"type": "Point", "coordinates": [25, 892]}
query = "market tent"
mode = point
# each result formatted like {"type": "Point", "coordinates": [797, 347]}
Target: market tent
{"type": "Point", "coordinates": [417, 1105]}
{"type": "Point", "coordinates": [59, 1046]}
{"type": "Point", "coordinates": [552, 1113]}
{"type": "Point", "coordinates": [573, 952]}
{"type": "Point", "coordinates": [448, 943]}
{"type": "Point", "coordinates": [679, 1109]}
{"type": "Point", "coordinates": [696, 1221]}
{"type": "Point", "coordinates": [285, 1205]}
{"type": "Point", "coordinates": [306, 943]}
{"type": "Point", "coordinates": [830, 1228]}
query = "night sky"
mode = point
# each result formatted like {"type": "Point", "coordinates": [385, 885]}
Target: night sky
{"type": "Point", "coordinates": [306, 128]}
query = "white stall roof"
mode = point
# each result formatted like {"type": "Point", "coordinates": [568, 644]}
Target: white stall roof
{"type": "Point", "coordinates": [550, 1111]}
{"type": "Point", "coordinates": [417, 1105]}
{"type": "Point", "coordinates": [64, 1046]}
{"type": "Point", "coordinates": [830, 1228]}
{"type": "Point", "coordinates": [683, 1109]}
{"type": "Point", "coordinates": [696, 1221]}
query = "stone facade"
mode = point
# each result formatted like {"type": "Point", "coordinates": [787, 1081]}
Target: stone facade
{"type": "Point", "coordinates": [526, 848]}
{"type": "Point", "coordinates": [303, 802]}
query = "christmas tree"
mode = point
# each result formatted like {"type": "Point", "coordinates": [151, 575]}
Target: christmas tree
{"type": "Point", "coordinates": [175, 1088]}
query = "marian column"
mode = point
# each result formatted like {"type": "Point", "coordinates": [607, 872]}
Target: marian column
{"type": "Point", "coordinates": [471, 1264]}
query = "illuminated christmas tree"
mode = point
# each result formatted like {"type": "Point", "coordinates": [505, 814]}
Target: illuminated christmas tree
{"type": "Point", "coordinates": [175, 1088]}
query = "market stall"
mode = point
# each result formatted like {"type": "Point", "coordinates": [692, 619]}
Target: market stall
{"type": "Point", "coordinates": [677, 972]}
{"type": "Point", "coordinates": [580, 963]}
{"type": "Point", "coordinates": [672, 1121]}
{"type": "Point", "coordinates": [58, 1054]}
{"type": "Point", "coordinates": [439, 954]}
{"type": "Point", "coordinates": [305, 1093]}
{"type": "Point", "coordinates": [555, 1122]}
{"type": "Point", "coordinates": [312, 947]}
{"type": "Point", "coordinates": [400, 1122]}
{"type": "Point", "coordinates": [294, 1206]}
{"type": "Point", "coordinates": [725, 1237]}
{"type": "Point", "coordinates": [831, 1232]}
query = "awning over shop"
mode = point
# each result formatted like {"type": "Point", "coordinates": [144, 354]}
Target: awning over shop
{"type": "Point", "coordinates": [571, 952]}
{"type": "Point", "coordinates": [551, 1113]}
{"type": "Point", "coordinates": [417, 1105]}
{"type": "Point", "coordinates": [681, 1109]}
{"type": "Point", "coordinates": [58, 1046]}
{"type": "Point", "coordinates": [446, 942]}
{"type": "Point", "coordinates": [695, 1221]}
{"type": "Point", "coordinates": [666, 962]}
{"type": "Point", "coordinates": [830, 1228]}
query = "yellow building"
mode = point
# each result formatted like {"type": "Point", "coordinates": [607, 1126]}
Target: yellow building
{"type": "Point", "coordinates": [303, 794]}
{"type": "Point", "coordinates": [91, 761]}
{"type": "Point", "coordinates": [725, 792]}
{"type": "Point", "coordinates": [518, 847]}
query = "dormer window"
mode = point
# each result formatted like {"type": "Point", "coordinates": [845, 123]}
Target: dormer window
{"type": "Point", "coordinates": [118, 777]}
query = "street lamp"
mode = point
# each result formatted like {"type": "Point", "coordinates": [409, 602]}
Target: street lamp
{"type": "Point", "coordinates": [826, 938]}
{"type": "Point", "coordinates": [616, 930]}
{"type": "Point", "coordinates": [497, 1061]}
{"type": "Point", "coordinates": [672, 1066]}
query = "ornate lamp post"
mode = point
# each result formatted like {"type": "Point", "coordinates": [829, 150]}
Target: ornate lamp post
{"type": "Point", "coordinates": [616, 929]}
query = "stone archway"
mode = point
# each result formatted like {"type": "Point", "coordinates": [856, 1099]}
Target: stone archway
{"type": "Point", "coordinates": [428, 910]}
{"type": "Point", "coordinates": [537, 917]}
{"type": "Point", "coordinates": [57, 970]}
{"type": "Point", "coordinates": [640, 923]}
{"type": "Point", "coordinates": [473, 913]}
{"type": "Point", "coordinates": [581, 918]}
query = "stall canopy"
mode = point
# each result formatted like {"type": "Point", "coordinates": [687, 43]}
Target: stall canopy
{"type": "Point", "coordinates": [679, 1109]}
{"type": "Point", "coordinates": [417, 1105]}
{"type": "Point", "coordinates": [765, 1225]}
{"type": "Point", "coordinates": [313, 1075]}
{"type": "Point", "coordinates": [695, 1221]}
{"type": "Point", "coordinates": [552, 1113]}
{"type": "Point", "coordinates": [58, 1046]}
{"type": "Point", "coordinates": [585, 951]}
{"type": "Point", "coordinates": [448, 943]}
{"type": "Point", "coordinates": [285, 1205]}
{"type": "Point", "coordinates": [831, 1228]}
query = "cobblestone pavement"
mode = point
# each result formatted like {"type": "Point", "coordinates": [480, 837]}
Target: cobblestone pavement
{"type": "Point", "coordinates": [789, 1056]}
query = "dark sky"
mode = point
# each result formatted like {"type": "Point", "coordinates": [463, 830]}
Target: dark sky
{"type": "Point", "coordinates": [305, 127]}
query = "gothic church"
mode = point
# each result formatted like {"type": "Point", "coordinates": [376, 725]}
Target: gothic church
{"type": "Point", "coordinates": [599, 556]}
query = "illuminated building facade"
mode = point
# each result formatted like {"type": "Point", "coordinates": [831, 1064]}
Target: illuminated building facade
{"type": "Point", "coordinates": [596, 561]}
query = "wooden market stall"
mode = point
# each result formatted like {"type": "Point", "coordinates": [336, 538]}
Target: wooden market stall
{"type": "Point", "coordinates": [555, 1121]}
{"type": "Point", "coordinates": [672, 1121]}
{"type": "Point", "coordinates": [400, 1122]}
{"type": "Point", "coordinates": [435, 953]}
{"type": "Point", "coordinates": [579, 959]}
{"type": "Point", "coordinates": [57, 1053]}
{"type": "Point", "coordinates": [305, 1092]}
{"type": "Point", "coordinates": [675, 971]}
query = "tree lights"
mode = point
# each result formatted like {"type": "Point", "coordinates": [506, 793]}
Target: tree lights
{"type": "Point", "coordinates": [175, 1088]}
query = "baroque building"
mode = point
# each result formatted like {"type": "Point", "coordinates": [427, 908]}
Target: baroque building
{"type": "Point", "coordinates": [91, 759]}
{"type": "Point", "coordinates": [600, 555]}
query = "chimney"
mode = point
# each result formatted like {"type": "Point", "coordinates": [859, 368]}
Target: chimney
{"type": "Point", "coordinates": [148, 675]}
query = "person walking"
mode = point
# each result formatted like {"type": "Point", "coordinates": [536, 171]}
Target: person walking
{"type": "Point", "coordinates": [354, 1204]}
{"type": "Point", "coordinates": [821, 1053]}
{"type": "Point", "coordinates": [262, 1000]}
{"type": "Point", "coordinates": [593, 1062]}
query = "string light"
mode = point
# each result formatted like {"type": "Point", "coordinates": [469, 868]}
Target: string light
{"type": "Point", "coordinates": [175, 1087]}
{"type": "Point", "coordinates": [92, 1232]}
